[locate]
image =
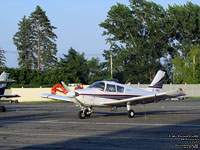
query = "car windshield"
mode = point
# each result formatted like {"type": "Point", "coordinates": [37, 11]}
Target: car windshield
{"type": "Point", "coordinates": [98, 85]}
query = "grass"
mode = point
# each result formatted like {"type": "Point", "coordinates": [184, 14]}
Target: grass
{"type": "Point", "coordinates": [192, 98]}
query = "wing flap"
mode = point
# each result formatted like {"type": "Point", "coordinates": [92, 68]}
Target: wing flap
{"type": "Point", "coordinates": [146, 99]}
{"type": "Point", "coordinates": [56, 97]}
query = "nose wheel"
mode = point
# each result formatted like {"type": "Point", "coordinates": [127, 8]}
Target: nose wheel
{"type": "Point", "coordinates": [85, 113]}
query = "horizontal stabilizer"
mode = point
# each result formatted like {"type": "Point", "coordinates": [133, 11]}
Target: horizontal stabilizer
{"type": "Point", "coordinates": [9, 96]}
{"type": "Point", "coordinates": [7, 81]}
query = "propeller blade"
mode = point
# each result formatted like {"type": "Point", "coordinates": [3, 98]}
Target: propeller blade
{"type": "Point", "coordinates": [65, 86]}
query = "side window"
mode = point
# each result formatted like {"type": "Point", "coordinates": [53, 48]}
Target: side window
{"type": "Point", "coordinates": [120, 89]}
{"type": "Point", "coordinates": [110, 88]}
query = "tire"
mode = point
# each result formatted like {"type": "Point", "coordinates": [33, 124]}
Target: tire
{"type": "Point", "coordinates": [87, 113]}
{"type": "Point", "coordinates": [131, 114]}
{"type": "Point", "coordinates": [2, 109]}
{"type": "Point", "coordinates": [81, 114]}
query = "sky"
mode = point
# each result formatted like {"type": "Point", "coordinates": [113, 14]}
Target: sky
{"type": "Point", "coordinates": [77, 23]}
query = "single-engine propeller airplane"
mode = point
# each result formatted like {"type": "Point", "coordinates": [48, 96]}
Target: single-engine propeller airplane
{"type": "Point", "coordinates": [113, 94]}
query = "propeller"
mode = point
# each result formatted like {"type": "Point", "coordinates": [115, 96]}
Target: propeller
{"type": "Point", "coordinates": [65, 86]}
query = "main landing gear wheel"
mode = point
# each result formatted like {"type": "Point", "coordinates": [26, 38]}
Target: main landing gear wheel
{"type": "Point", "coordinates": [131, 114]}
{"type": "Point", "coordinates": [81, 114]}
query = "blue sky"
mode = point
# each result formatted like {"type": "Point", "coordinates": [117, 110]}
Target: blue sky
{"type": "Point", "coordinates": [77, 23]}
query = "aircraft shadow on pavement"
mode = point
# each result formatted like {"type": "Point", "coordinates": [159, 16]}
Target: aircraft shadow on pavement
{"type": "Point", "coordinates": [139, 114]}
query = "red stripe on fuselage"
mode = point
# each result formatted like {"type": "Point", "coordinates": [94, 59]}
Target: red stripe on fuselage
{"type": "Point", "coordinates": [111, 96]}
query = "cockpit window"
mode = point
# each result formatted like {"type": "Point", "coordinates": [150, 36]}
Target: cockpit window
{"type": "Point", "coordinates": [120, 89]}
{"type": "Point", "coordinates": [98, 85]}
{"type": "Point", "coordinates": [110, 88]}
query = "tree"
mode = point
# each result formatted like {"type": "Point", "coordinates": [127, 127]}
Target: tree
{"type": "Point", "coordinates": [23, 41]}
{"type": "Point", "coordinates": [74, 65]}
{"type": "Point", "coordinates": [43, 39]}
{"type": "Point", "coordinates": [96, 71]}
{"type": "Point", "coordinates": [187, 70]}
{"type": "Point", "coordinates": [35, 41]}
{"type": "Point", "coordinates": [2, 58]}
{"type": "Point", "coordinates": [184, 34]}
{"type": "Point", "coordinates": [184, 27]}
{"type": "Point", "coordinates": [137, 39]}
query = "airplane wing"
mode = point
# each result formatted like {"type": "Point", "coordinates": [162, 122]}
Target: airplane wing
{"type": "Point", "coordinates": [146, 99]}
{"type": "Point", "coordinates": [9, 96]}
{"type": "Point", "coordinates": [56, 97]}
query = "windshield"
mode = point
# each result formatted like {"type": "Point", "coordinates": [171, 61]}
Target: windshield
{"type": "Point", "coordinates": [98, 85]}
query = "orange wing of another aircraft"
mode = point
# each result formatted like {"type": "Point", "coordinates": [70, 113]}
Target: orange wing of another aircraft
{"type": "Point", "coordinates": [58, 87]}
{"type": "Point", "coordinates": [61, 88]}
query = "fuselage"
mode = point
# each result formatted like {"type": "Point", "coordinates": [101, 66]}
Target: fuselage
{"type": "Point", "coordinates": [108, 91]}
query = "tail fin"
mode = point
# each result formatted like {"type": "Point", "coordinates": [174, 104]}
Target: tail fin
{"type": "Point", "coordinates": [157, 83]}
{"type": "Point", "coordinates": [3, 78]}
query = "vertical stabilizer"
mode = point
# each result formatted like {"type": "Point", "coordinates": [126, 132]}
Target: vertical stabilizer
{"type": "Point", "coordinates": [157, 83]}
{"type": "Point", "coordinates": [3, 78]}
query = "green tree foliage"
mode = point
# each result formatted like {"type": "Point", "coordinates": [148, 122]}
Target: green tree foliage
{"type": "Point", "coordinates": [184, 30]}
{"type": "Point", "coordinates": [75, 66]}
{"type": "Point", "coordinates": [96, 71]}
{"type": "Point", "coordinates": [187, 70]}
{"type": "Point", "coordinates": [35, 41]}
{"type": "Point", "coordinates": [23, 41]}
{"type": "Point", "coordinates": [137, 39]}
{"type": "Point", "coordinates": [43, 39]}
{"type": "Point", "coordinates": [144, 38]}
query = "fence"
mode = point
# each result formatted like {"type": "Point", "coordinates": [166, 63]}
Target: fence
{"type": "Point", "coordinates": [33, 94]}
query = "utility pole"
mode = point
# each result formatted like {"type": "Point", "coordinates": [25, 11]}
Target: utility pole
{"type": "Point", "coordinates": [111, 70]}
{"type": "Point", "coordinates": [194, 66]}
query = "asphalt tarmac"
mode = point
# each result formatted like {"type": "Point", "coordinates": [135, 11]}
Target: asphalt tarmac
{"type": "Point", "coordinates": [173, 125]}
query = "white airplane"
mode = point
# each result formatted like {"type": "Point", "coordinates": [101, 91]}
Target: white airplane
{"type": "Point", "coordinates": [112, 94]}
{"type": "Point", "coordinates": [3, 84]}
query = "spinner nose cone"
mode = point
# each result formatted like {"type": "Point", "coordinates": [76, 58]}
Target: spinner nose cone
{"type": "Point", "coordinates": [72, 94]}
